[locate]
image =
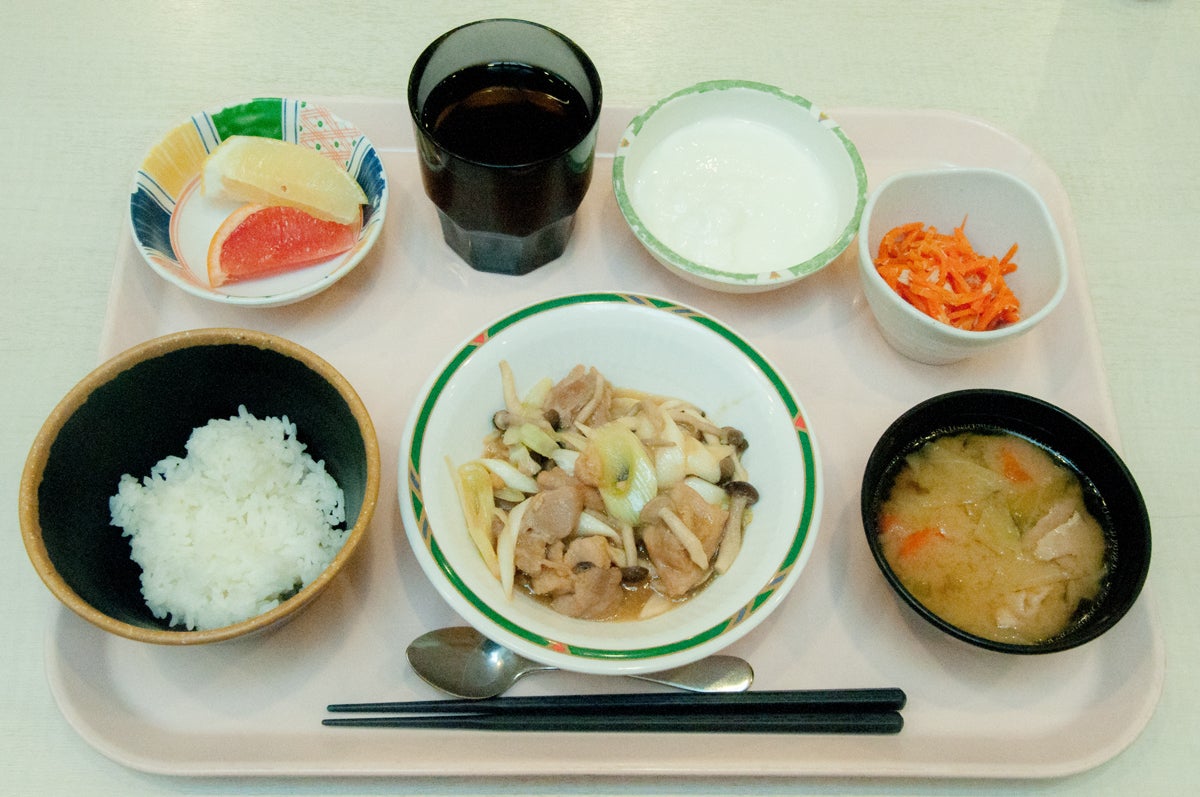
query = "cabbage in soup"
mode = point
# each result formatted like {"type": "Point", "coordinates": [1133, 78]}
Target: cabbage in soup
{"type": "Point", "coordinates": [991, 533]}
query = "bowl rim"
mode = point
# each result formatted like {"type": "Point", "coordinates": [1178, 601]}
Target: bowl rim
{"type": "Point", "coordinates": [209, 138]}
{"type": "Point", "coordinates": [772, 277]}
{"type": "Point", "coordinates": [584, 658]}
{"type": "Point", "coordinates": [946, 331]}
{"type": "Point", "coordinates": [1069, 638]}
{"type": "Point", "coordinates": [31, 477]}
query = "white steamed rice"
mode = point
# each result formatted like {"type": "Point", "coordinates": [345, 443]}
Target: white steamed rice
{"type": "Point", "coordinates": [238, 525]}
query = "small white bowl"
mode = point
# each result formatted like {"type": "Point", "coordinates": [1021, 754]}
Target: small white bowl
{"type": "Point", "coordinates": [739, 186]}
{"type": "Point", "coordinates": [1000, 210]}
{"type": "Point", "coordinates": [693, 357]}
{"type": "Point", "coordinates": [173, 223]}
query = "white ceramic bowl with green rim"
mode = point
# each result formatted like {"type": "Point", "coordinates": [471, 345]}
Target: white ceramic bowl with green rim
{"type": "Point", "coordinates": [739, 186]}
{"type": "Point", "coordinates": [173, 223]}
{"type": "Point", "coordinates": [696, 358]}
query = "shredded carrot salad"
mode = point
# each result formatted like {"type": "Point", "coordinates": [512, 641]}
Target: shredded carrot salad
{"type": "Point", "coordinates": [945, 278]}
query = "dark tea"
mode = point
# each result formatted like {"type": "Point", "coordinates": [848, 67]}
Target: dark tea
{"type": "Point", "coordinates": [506, 114]}
{"type": "Point", "coordinates": [504, 134]}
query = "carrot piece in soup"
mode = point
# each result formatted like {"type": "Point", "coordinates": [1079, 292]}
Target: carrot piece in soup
{"type": "Point", "coordinates": [1011, 467]}
{"type": "Point", "coordinates": [917, 540]}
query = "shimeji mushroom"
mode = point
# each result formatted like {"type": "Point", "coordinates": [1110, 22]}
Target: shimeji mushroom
{"type": "Point", "coordinates": [691, 543]}
{"type": "Point", "coordinates": [741, 495]}
{"type": "Point", "coordinates": [632, 447]}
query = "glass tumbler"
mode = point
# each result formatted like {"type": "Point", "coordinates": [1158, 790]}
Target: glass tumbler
{"type": "Point", "coordinates": [505, 113]}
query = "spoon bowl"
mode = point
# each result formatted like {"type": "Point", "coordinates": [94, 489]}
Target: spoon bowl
{"type": "Point", "coordinates": [463, 662]}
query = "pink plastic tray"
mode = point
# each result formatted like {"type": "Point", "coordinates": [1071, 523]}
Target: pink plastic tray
{"type": "Point", "coordinates": [254, 707]}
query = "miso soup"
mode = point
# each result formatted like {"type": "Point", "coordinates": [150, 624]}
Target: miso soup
{"type": "Point", "coordinates": [991, 532]}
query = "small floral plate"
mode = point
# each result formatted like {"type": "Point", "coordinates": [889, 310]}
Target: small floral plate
{"type": "Point", "coordinates": [173, 222]}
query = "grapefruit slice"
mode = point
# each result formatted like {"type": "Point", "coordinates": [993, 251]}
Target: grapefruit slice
{"type": "Point", "coordinates": [260, 241]}
{"type": "Point", "coordinates": [266, 171]}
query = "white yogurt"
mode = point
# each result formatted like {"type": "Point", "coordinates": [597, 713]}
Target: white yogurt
{"type": "Point", "coordinates": [736, 195]}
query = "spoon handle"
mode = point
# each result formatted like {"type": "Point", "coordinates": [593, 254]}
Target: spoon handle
{"type": "Point", "coordinates": [714, 674]}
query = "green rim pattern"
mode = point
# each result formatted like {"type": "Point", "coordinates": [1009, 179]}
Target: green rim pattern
{"type": "Point", "coordinates": [799, 422]}
{"type": "Point", "coordinates": [805, 268]}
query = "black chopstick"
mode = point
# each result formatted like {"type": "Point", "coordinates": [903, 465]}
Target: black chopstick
{"type": "Point", "coordinates": [856, 722]}
{"type": "Point", "coordinates": [674, 704]}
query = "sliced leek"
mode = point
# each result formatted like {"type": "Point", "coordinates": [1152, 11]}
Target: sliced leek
{"type": "Point", "coordinates": [508, 494]}
{"type": "Point", "coordinates": [536, 397]}
{"type": "Point", "coordinates": [532, 437]}
{"type": "Point", "coordinates": [712, 493]}
{"type": "Point", "coordinates": [670, 465]}
{"type": "Point", "coordinates": [590, 524]}
{"type": "Point", "coordinates": [506, 547]}
{"type": "Point", "coordinates": [509, 474]}
{"type": "Point", "coordinates": [565, 459]}
{"type": "Point", "coordinates": [655, 605]}
{"type": "Point", "coordinates": [700, 461]}
{"type": "Point", "coordinates": [627, 479]}
{"type": "Point", "coordinates": [520, 458]}
{"type": "Point", "coordinates": [474, 486]}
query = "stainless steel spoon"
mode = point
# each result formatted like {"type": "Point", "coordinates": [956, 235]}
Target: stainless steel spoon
{"type": "Point", "coordinates": [464, 663]}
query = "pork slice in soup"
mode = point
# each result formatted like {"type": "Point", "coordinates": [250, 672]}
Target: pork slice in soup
{"type": "Point", "coordinates": [992, 533]}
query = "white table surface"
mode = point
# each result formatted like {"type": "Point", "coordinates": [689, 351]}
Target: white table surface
{"type": "Point", "coordinates": [1105, 90]}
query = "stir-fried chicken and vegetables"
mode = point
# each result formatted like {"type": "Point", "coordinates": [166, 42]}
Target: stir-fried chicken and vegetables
{"type": "Point", "coordinates": [605, 502]}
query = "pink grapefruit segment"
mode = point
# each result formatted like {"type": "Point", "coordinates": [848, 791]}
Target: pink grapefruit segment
{"type": "Point", "coordinates": [260, 241]}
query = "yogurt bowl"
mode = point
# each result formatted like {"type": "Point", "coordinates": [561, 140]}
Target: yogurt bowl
{"type": "Point", "coordinates": [739, 186]}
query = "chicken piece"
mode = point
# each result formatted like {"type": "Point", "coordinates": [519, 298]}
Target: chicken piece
{"type": "Point", "coordinates": [1071, 538]}
{"type": "Point", "coordinates": [556, 478]}
{"type": "Point", "coordinates": [1018, 607]}
{"type": "Point", "coordinates": [548, 520]}
{"type": "Point", "coordinates": [1068, 537]}
{"type": "Point", "coordinates": [592, 549]}
{"type": "Point", "coordinates": [596, 583]}
{"type": "Point", "coordinates": [553, 574]}
{"type": "Point", "coordinates": [597, 594]}
{"type": "Point", "coordinates": [1058, 514]}
{"type": "Point", "coordinates": [707, 521]}
{"type": "Point", "coordinates": [677, 573]}
{"type": "Point", "coordinates": [551, 516]}
{"type": "Point", "coordinates": [582, 395]}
